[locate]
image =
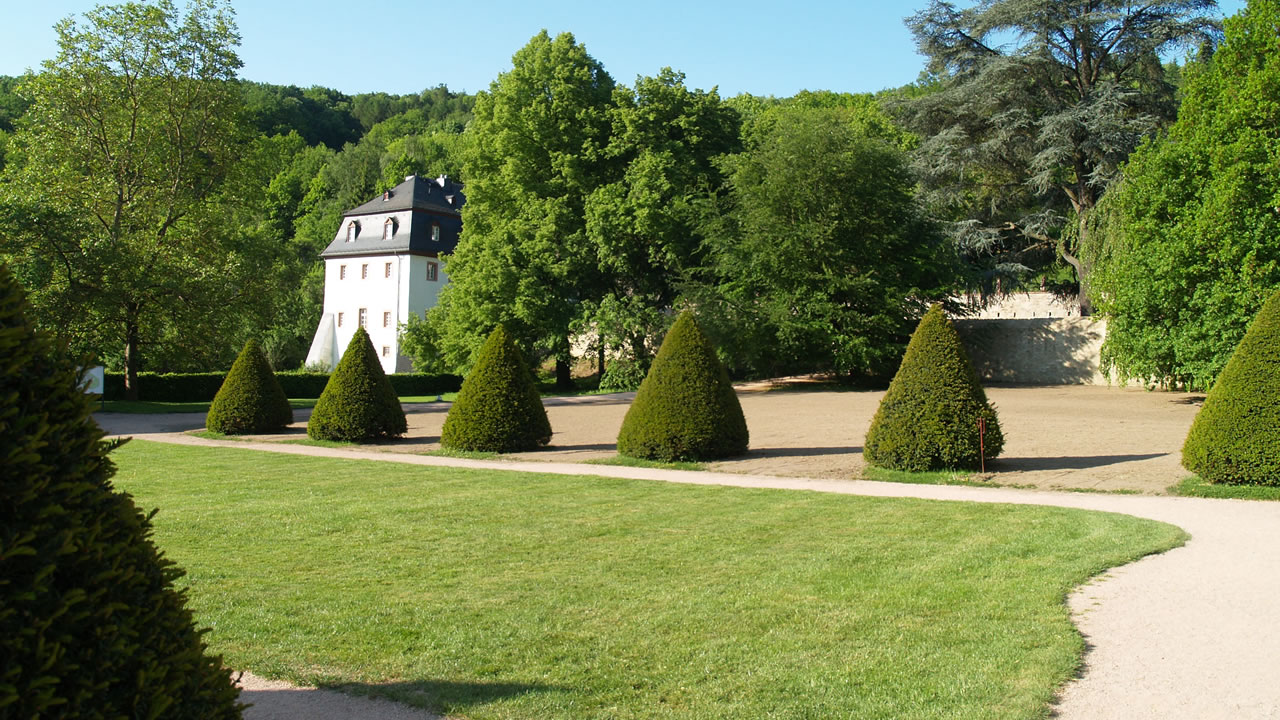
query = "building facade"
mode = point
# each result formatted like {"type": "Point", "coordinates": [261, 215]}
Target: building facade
{"type": "Point", "coordinates": [383, 267]}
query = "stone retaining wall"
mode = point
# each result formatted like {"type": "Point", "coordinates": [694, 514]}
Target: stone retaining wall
{"type": "Point", "coordinates": [1036, 351]}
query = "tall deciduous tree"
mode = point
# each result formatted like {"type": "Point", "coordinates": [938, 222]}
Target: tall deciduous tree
{"type": "Point", "coordinates": [1191, 237]}
{"type": "Point", "coordinates": [646, 225]}
{"type": "Point", "coordinates": [134, 127]}
{"type": "Point", "coordinates": [825, 258]}
{"type": "Point", "coordinates": [525, 260]}
{"type": "Point", "coordinates": [1039, 101]}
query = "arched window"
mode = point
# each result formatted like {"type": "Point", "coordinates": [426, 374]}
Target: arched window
{"type": "Point", "coordinates": [352, 229]}
{"type": "Point", "coordinates": [388, 228]}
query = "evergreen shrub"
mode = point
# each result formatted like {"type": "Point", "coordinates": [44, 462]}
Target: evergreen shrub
{"type": "Point", "coordinates": [498, 408]}
{"type": "Point", "coordinates": [250, 399]}
{"type": "Point", "coordinates": [928, 419]}
{"type": "Point", "coordinates": [686, 408]}
{"type": "Point", "coordinates": [90, 623]}
{"type": "Point", "coordinates": [1235, 437]}
{"type": "Point", "coordinates": [358, 402]}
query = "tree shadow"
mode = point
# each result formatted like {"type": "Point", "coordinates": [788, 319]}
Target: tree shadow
{"type": "Point", "coordinates": [1189, 400]}
{"type": "Point", "coordinates": [786, 452]}
{"type": "Point", "coordinates": [606, 399]}
{"type": "Point", "coordinates": [1069, 463]}
{"type": "Point", "coordinates": [553, 447]}
{"type": "Point", "coordinates": [456, 696]}
{"type": "Point", "coordinates": [432, 695]}
{"type": "Point", "coordinates": [1036, 351]}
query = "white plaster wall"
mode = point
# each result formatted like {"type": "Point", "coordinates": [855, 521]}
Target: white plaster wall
{"type": "Point", "coordinates": [376, 293]}
{"type": "Point", "coordinates": [418, 294]}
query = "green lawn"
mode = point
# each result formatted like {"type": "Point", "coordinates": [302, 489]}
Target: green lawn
{"type": "Point", "coordinates": [489, 594]}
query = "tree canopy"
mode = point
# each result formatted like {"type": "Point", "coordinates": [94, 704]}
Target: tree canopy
{"type": "Point", "coordinates": [128, 146]}
{"type": "Point", "coordinates": [823, 260]}
{"type": "Point", "coordinates": [1189, 241]}
{"type": "Point", "coordinates": [1034, 106]}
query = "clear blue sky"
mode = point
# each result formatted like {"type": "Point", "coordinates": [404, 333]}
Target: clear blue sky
{"type": "Point", "coordinates": [402, 46]}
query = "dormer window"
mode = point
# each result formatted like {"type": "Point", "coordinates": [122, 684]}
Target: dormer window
{"type": "Point", "coordinates": [435, 232]}
{"type": "Point", "coordinates": [351, 231]}
{"type": "Point", "coordinates": [388, 228]}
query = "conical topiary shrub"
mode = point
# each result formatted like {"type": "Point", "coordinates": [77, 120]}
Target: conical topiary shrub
{"type": "Point", "coordinates": [498, 408]}
{"type": "Point", "coordinates": [928, 419]}
{"type": "Point", "coordinates": [358, 402]}
{"type": "Point", "coordinates": [250, 399]}
{"type": "Point", "coordinates": [90, 623]}
{"type": "Point", "coordinates": [686, 408]}
{"type": "Point", "coordinates": [1235, 437]}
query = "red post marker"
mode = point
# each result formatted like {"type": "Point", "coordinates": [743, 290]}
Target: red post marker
{"type": "Point", "coordinates": [982, 450]}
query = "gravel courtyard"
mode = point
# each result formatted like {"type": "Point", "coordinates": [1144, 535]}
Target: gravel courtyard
{"type": "Point", "coordinates": [1056, 437]}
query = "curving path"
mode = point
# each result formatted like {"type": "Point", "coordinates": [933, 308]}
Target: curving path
{"type": "Point", "coordinates": [1192, 633]}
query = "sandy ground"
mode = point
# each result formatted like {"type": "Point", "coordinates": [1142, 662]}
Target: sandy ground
{"type": "Point", "coordinates": [1057, 437]}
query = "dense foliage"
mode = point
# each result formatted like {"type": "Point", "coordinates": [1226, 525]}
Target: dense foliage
{"type": "Point", "coordinates": [250, 399]}
{"type": "Point", "coordinates": [358, 403]}
{"type": "Point", "coordinates": [824, 259]}
{"type": "Point", "coordinates": [1236, 435]}
{"type": "Point", "coordinates": [499, 408]}
{"type": "Point", "coordinates": [928, 419]}
{"type": "Point", "coordinates": [686, 408]}
{"type": "Point", "coordinates": [1192, 235]}
{"type": "Point", "coordinates": [1029, 110]}
{"type": "Point", "coordinates": [90, 623]}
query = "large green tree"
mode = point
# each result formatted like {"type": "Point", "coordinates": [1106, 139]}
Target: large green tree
{"type": "Point", "coordinates": [1190, 244]}
{"type": "Point", "coordinates": [538, 151]}
{"type": "Point", "coordinates": [647, 224]}
{"type": "Point", "coordinates": [1034, 106]}
{"type": "Point", "coordinates": [824, 259]}
{"type": "Point", "coordinates": [113, 218]}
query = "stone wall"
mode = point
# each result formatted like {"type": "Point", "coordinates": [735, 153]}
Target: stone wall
{"type": "Point", "coordinates": [1036, 351]}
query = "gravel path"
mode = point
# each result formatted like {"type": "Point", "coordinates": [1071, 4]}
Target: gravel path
{"type": "Point", "coordinates": [1192, 633]}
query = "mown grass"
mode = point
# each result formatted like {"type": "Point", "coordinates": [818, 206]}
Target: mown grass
{"type": "Point", "coordinates": [489, 594]}
{"type": "Point", "coordinates": [153, 408]}
{"type": "Point", "coordinates": [627, 461]}
{"type": "Point", "coordinates": [1196, 486]}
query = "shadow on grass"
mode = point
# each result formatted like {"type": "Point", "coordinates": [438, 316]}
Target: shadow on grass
{"type": "Point", "coordinates": [446, 695]}
{"type": "Point", "coordinates": [1008, 464]}
{"type": "Point", "coordinates": [434, 695]}
{"type": "Point", "coordinates": [588, 446]}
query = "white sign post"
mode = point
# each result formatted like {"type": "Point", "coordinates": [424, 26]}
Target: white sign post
{"type": "Point", "coordinates": [94, 380]}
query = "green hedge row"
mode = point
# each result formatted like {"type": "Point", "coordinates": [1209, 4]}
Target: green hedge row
{"type": "Point", "coordinates": [201, 387]}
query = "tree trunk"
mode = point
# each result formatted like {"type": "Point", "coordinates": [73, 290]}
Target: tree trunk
{"type": "Point", "coordinates": [132, 358]}
{"type": "Point", "coordinates": [1082, 270]}
{"type": "Point", "coordinates": [564, 378]}
{"type": "Point", "coordinates": [600, 359]}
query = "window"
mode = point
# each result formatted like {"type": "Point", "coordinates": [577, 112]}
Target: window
{"type": "Point", "coordinates": [352, 229]}
{"type": "Point", "coordinates": [386, 272]}
{"type": "Point", "coordinates": [433, 271]}
{"type": "Point", "coordinates": [388, 229]}
{"type": "Point", "coordinates": [386, 319]}
{"type": "Point", "coordinates": [339, 319]}
{"type": "Point", "coordinates": [342, 272]}
{"type": "Point", "coordinates": [435, 232]}
{"type": "Point", "coordinates": [364, 271]}
{"type": "Point", "coordinates": [364, 318]}
{"type": "Point", "coordinates": [386, 351]}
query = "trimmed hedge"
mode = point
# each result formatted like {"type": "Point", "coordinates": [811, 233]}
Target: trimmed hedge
{"type": "Point", "coordinates": [358, 403]}
{"type": "Point", "coordinates": [928, 419]}
{"type": "Point", "coordinates": [499, 408]}
{"type": "Point", "coordinates": [1235, 438]}
{"type": "Point", "coordinates": [686, 408]}
{"type": "Point", "coordinates": [202, 387]}
{"type": "Point", "coordinates": [90, 623]}
{"type": "Point", "coordinates": [250, 399]}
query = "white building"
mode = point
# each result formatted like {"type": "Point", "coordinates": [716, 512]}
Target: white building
{"type": "Point", "coordinates": [383, 266]}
